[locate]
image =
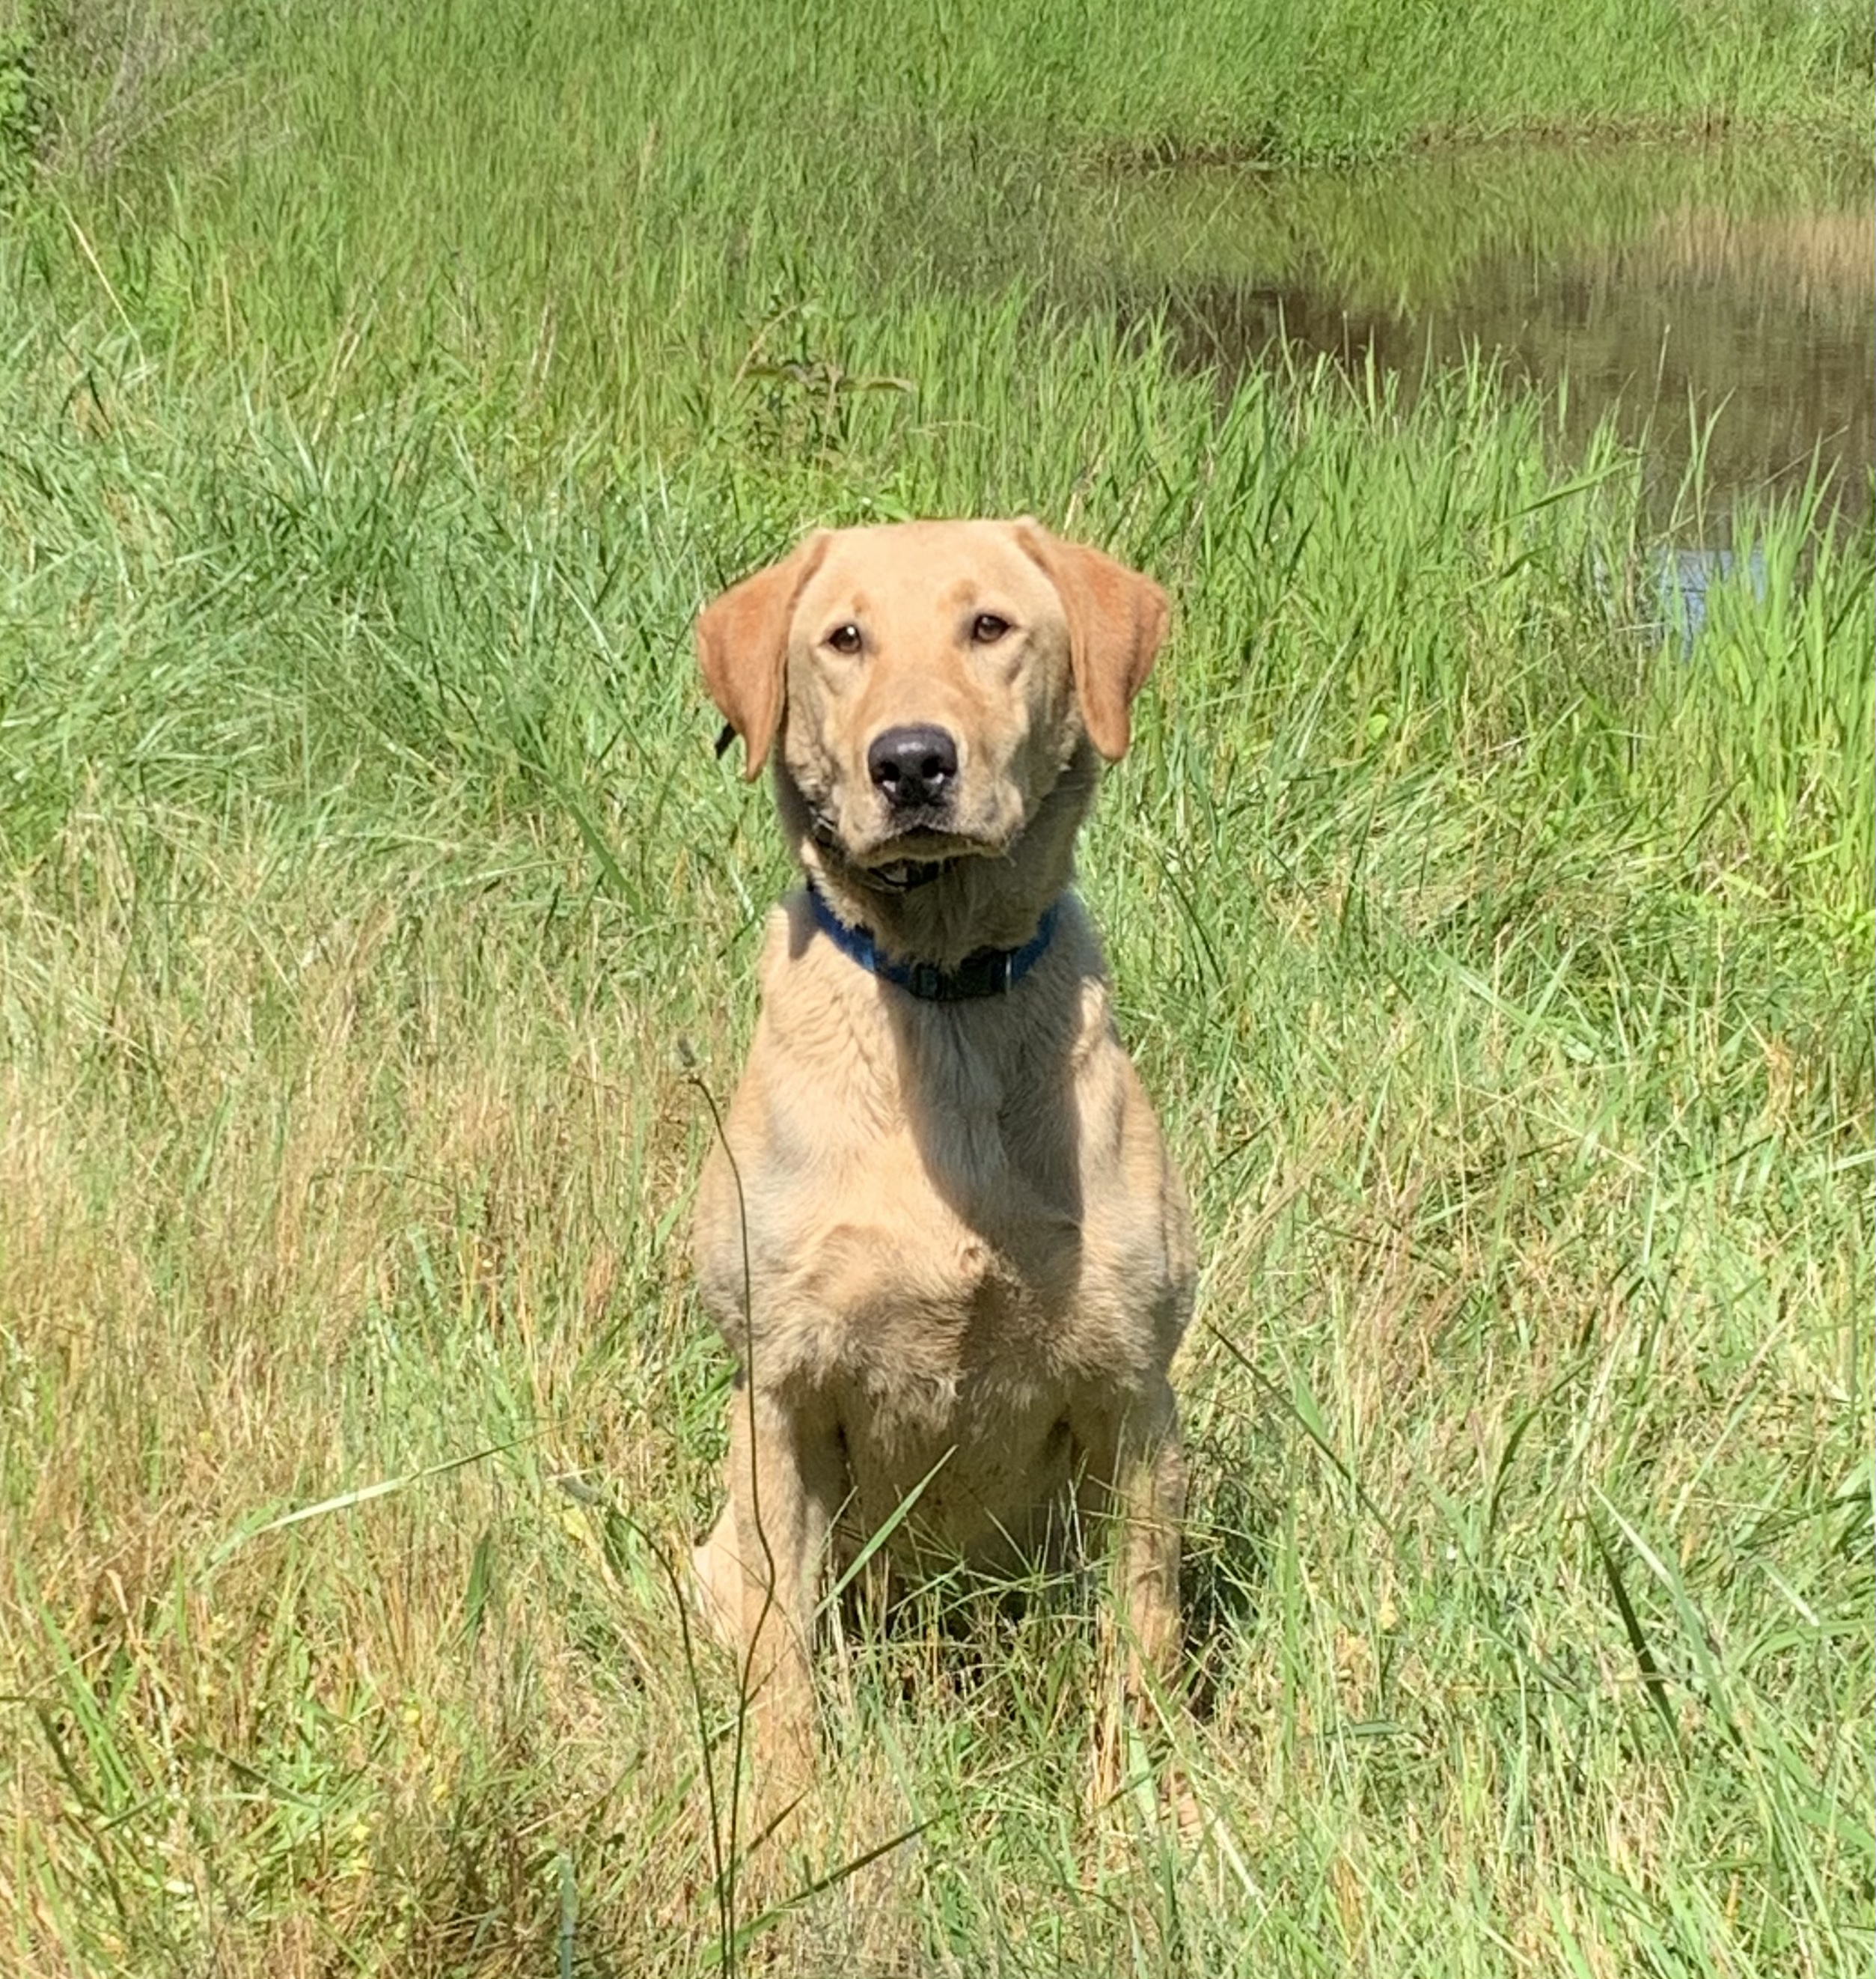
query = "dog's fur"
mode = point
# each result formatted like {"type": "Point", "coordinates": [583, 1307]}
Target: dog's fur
{"type": "Point", "coordinates": [945, 1244]}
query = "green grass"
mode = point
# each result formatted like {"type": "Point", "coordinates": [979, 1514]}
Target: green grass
{"type": "Point", "coordinates": [381, 396]}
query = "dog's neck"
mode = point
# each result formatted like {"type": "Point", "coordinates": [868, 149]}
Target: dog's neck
{"type": "Point", "coordinates": [968, 903]}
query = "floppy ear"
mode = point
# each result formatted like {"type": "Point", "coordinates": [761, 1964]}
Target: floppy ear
{"type": "Point", "coordinates": [1117, 625]}
{"type": "Point", "coordinates": [742, 646]}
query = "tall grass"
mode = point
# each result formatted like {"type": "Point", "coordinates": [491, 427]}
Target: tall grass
{"type": "Point", "coordinates": [1785, 219]}
{"type": "Point", "coordinates": [373, 422]}
{"type": "Point", "coordinates": [573, 214]}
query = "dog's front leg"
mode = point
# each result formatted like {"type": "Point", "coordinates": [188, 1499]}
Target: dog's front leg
{"type": "Point", "coordinates": [786, 1481]}
{"type": "Point", "coordinates": [1152, 1514]}
{"type": "Point", "coordinates": [1134, 1480]}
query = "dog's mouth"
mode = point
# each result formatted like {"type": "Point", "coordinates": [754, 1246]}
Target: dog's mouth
{"type": "Point", "coordinates": [921, 848]}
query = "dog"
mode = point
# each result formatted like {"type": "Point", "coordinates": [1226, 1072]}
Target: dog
{"type": "Point", "coordinates": [940, 1233]}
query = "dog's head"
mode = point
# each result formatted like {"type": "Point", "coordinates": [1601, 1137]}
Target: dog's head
{"type": "Point", "coordinates": [930, 682]}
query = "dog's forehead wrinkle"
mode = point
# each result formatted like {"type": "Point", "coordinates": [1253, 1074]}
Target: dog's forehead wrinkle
{"type": "Point", "coordinates": [827, 604]}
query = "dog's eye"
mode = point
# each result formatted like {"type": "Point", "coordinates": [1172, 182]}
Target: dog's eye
{"type": "Point", "coordinates": [844, 638]}
{"type": "Point", "coordinates": [987, 628]}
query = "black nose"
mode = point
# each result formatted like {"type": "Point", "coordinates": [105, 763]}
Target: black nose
{"type": "Point", "coordinates": [913, 767]}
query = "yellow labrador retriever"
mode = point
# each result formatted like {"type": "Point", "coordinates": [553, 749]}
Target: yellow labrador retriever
{"type": "Point", "coordinates": [944, 1244]}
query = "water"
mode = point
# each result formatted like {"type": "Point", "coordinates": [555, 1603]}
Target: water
{"type": "Point", "coordinates": [1729, 291]}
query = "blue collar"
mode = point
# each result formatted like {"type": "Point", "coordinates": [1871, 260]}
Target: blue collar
{"type": "Point", "coordinates": [986, 972]}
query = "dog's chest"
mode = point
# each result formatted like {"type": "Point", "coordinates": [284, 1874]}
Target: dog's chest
{"type": "Point", "coordinates": [943, 1339]}
{"type": "Point", "coordinates": [911, 1264]}
{"type": "Point", "coordinates": [944, 1240]}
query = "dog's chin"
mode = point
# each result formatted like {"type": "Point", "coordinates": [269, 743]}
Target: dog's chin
{"type": "Point", "coordinates": [920, 845]}
{"type": "Point", "coordinates": [933, 839]}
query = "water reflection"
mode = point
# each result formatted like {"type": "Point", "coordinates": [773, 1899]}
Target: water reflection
{"type": "Point", "coordinates": [1727, 292]}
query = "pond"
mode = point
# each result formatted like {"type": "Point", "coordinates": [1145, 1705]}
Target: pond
{"type": "Point", "coordinates": [1726, 291]}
